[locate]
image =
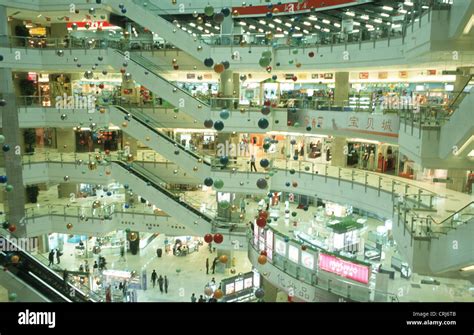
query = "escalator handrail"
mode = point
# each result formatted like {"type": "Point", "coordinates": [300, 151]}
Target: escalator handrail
{"type": "Point", "coordinates": [134, 171]}
{"type": "Point", "coordinates": [159, 76]}
{"type": "Point", "coordinates": [157, 132]}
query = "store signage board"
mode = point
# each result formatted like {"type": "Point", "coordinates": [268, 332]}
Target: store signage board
{"type": "Point", "coordinates": [292, 7]}
{"type": "Point", "coordinates": [343, 268]}
{"type": "Point", "coordinates": [92, 25]}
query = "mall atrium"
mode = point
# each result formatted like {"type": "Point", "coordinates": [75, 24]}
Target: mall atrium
{"type": "Point", "coordinates": [229, 151]}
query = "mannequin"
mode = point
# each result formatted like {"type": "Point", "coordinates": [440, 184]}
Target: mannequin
{"type": "Point", "coordinates": [371, 161]}
{"type": "Point", "coordinates": [380, 162]}
{"type": "Point", "coordinates": [365, 160]}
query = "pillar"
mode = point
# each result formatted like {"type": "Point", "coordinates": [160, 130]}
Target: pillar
{"type": "Point", "coordinates": [14, 201]}
{"type": "Point", "coordinates": [227, 29]}
{"type": "Point", "coordinates": [59, 30]}
{"type": "Point", "coordinates": [339, 152]}
{"type": "Point", "coordinates": [66, 139]}
{"type": "Point", "coordinates": [229, 88]}
{"type": "Point", "coordinates": [271, 292]}
{"type": "Point", "coordinates": [341, 91]}
{"type": "Point", "coordinates": [457, 179]}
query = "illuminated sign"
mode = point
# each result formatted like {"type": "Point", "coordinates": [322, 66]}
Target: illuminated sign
{"type": "Point", "coordinates": [92, 25]}
{"type": "Point", "coordinates": [340, 267]}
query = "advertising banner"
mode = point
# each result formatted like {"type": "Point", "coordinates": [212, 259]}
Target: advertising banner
{"type": "Point", "coordinates": [343, 268]}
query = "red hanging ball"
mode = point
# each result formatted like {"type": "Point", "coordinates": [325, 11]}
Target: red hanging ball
{"type": "Point", "coordinates": [261, 222]}
{"type": "Point", "coordinates": [264, 214]}
{"type": "Point", "coordinates": [311, 54]}
{"type": "Point", "coordinates": [208, 238]}
{"type": "Point", "coordinates": [263, 253]}
{"type": "Point", "coordinates": [218, 238]}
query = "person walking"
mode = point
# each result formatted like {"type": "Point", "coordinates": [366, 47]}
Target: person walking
{"type": "Point", "coordinates": [201, 299]}
{"type": "Point", "coordinates": [154, 276]}
{"type": "Point", "coordinates": [166, 285]}
{"type": "Point", "coordinates": [214, 265]}
{"type": "Point", "coordinates": [160, 283]}
{"type": "Point", "coordinates": [95, 267]}
{"type": "Point", "coordinates": [242, 205]}
{"type": "Point", "coordinates": [193, 297]}
{"type": "Point", "coordinates": [207, 266]}
{"type": "Point", "coordinates": [253, 167]}
{"type": "Point", "coordinates": [58, 256]}
{"type": "Point", "coordinates": [51, 258]}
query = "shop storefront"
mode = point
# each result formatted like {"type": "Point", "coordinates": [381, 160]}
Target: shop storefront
{"type": "Point", "coordinates": [91, 141]}
{"type": "Point", "coordinates": [372, 156]}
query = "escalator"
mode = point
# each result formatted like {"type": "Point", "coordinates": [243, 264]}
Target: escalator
{"type": "Point", "coordinates": [39, 276]}
{"type": "Point", "coordinates": [147, 14]}
{"type": "Point", "coordinates": [147, 73]}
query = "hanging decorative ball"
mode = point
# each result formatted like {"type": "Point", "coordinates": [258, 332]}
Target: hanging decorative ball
{"type": "Point", "coordinates": [3, 102]}
{"type": "Point", "coordinates": [15, 259]}
{"type": "Point", "coordinates": [219, 68]}
{"type": "Point", "coordinates": [264, 253]}
{"type": "Point", "coordinates": [264, 163]}
{"type": "Point", "coordinates": [208, 181]}
{"type": "Point", "coordinates": [298, 65]}
{"type": "Point", "coordinates": [311, 54]}
{"type": "Point", "coordinates": [69, 226]}
{"type": "Point", "coordinates": [218, 184]}
{"type": "Point", "coordinates": [262, 259]}
{"type": "Point", "coordinates": [3, 179]}
{"type": "Point", "coordinates": [292, 171]}
{"type": "Point", "coordinates": [208, 238]}
{"type": "Point", "coordinates": [218, 294]}
{"type": "Point", "coordinates": [195, 14]}
{"type": "Point", "coordinates": [224, 160]}
{"type": "Point", "coordinates": [225, 11]}
{"type": "Point", "coordinates": [235, 12]}
{"type": "Point", "coordinates": [262, 183]}
{"type": "Point", "coordinates": [226, 64]}
{"type": "Point", "coordinates": [66, 178]}
{"type": "Point", "coordinates": [223, 259]}
{"type": "Point", "coordinates": [265, 110]}
{"type": "Point", "coordinates": [133, 236]}
{"type": "Point", "coordinates": [261, 221]}
{"type": "Point", "coordinates": [208, 123]}
{"type": "Point", "coordinates": [6, 148]}
{"type": "Point", "coordinates": [12, 296]}
{"type": "Point", "coordinates": [209, 62]}
{"type": "Point", "coordinates": [208, 291]}
{"type": "Point", "coordinates": [218, 125]}
{"type": "Point", "coordinates": [263, 123]}
{"type": "Point", "coordinates": [60, 53]}
{"type": "Point", "coordinates": [12, 228]}
{"type": "Point", "coordinates": [88, 74]}
{"type": "Point", "coordinates": [200, 20]}
{"type": "Point", "coordinates": [9, 188]}
{"type": "Point", "coordinates": [224, 114]}
{"type": "Point", "coordinates": [264, 62]}
{"type": "Point", "coordinates": [96, 204]}
{"type": "Point", "coordinates": [218, 18]}
{"type": "Point", "coordinates": [218, 238]}
{"type": "Point", "coordinates": [259, 293]}
{"type": "Point", "coordinates": [209, 10]}
{"type": "Point", "coordinates": [306, 168]}
{"type": "Point", "coordinates": [2, 139]}
{"type": "Point", "coordinates": [295, 184]}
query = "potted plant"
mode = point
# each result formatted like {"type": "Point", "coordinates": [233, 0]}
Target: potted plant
{"type": "Point", "coordinates": [32, 193]}
{"type": "Point", "coordinates": [30, 140]}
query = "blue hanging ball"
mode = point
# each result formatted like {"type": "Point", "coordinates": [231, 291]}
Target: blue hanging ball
{"type": "Point", "coordinates": [209, 62]}
{"type": "Point", "coordinates": [126, 206]}
{"type": "Point", "coordinates": [263, 123]}
{"type": "Point", "coordinates": [295, 157]}
{"type": "Point", "coordinates": [274, 77]}
{"type": "Point", "coordinates": [124, 10]}
{"type": "Point", "coordinates": [208, 182]}
{"type": "Point", "coordinates": [308, 128]}
{"type": "Point", "coordinates": [224, 114]}
{"type": "Point", "coordinates": [225, 11]}
{"type": "Point", "coordinates": [226, 64]}
{"type": "Point", "coordinates": [1, 58]}
{"type": "Point", "coordinates": [224, 160]}
{"type": "Point", "coordinates": [218, 125]}
{"type": "Point", "coordinates": [287, 184]}
{"type": "Point", "coordinates": [121, 5]}
{"type": "Point", "coordinates": [6, 148]}
{"type": "Point", "coordinates": [293, 142]}
{"type": "Point", "coordinates": [265, 110]}
{"type": "Point", "coordinates": [109, 193]}
{"type": "Point", "coordinates": [264, 163]}
{"type": "Point", "coordinates": [126, 186]}
{"type": "Point", "coordinates": [287, 239]}
{"type": "Point", "coordinates": [98, 2]}
{"type": "Point", "coordinates": [3, 179]}
{"type": "Point", "coordinates": [269, 15]}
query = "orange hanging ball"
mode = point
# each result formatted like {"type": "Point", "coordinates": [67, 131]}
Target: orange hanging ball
{"type": "Point", "coordinates": [219, 68]}
{"type": "Point", "coordinates": [223, 259]}
{"type": "Point", "coordinates": [262, 259]}
{"type": "Point", "coordinates": [218, 294]}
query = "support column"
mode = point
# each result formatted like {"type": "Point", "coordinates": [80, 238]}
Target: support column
{"type": "Point", "coordinates": [229, 88]}
{"type": "Point", "coordinates": [66, 140]}
{"type": "Point", "coordinates": [457, 180]}
{"type": "Point", "coordinates": [227, 29]}
{"type": "Point", "coordinates": [338, 152]}
{"type": "Point", "coordinates": [341, 92]}
{"type": "Point", "coordinates": [15, 200]}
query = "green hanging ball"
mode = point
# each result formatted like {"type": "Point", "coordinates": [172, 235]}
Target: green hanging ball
{"type": "Point", "coordinates": [176, 110]}
{"type": "Point", "coordinates": [209, 10]}
{"type": "Point", "coordinates": [12, 296]}
{"type": "Point", "coordinates": [2, 139]}
{"type": "Point", "coordinates": [291, 61]}
{"type": "Point", "coordinates": [297, 124]}
{"type": "Point", "coordinates": [224, 204]}
{"type": "Point", "coordinates": [9, 188]}
{"type": "Point", "coordinates": [267, 54]}
{"type": "Point", "coordinates": [293, 214]}
{"type": "Point", "coordinates": [218, 184]}
{"type": "Point", "coordinates": [295, 52]}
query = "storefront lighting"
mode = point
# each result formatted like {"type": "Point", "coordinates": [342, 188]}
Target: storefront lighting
{"type": "Point", "coordinates": [363, 140]}
{"type": "Point", "coordinates": [468, 268]}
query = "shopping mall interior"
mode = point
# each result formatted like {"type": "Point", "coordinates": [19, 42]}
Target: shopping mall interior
{"type": "Point", "coordinates": [229, 151]}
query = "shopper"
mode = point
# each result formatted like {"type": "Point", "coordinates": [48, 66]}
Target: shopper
{"type": "Point", "coordinates": [166, 285]}
{"type": "Point", "coordinates": [193, 297]}
{"type": "Point", "coordinates": [201, 299]}
{"type": "Point", "coordinates": [95, 266]}
{"type": "Point", "coordinates": [207, 266]}
{"type": "Point", "coordinates": [253, 167]}
{"type": "Point", "coordinates": [242, 205]}
{"type": "Point", "coordinates": [214, 265]}
{"type": "Point", "coordinates": [160, 283]}
{"type": "Point", "coordinates": [51, 258]}
{"type": "Point", "coordinates": [86, 266]}
{"type": "Point", "coordinates": [154, 276]}
{"type": "Point", "coordinates": [58, 256]}
{"type": "Point", "coordinates": [213, 281]}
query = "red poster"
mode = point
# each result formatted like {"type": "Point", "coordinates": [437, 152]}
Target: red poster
{"type": "Point", "coordinates": [346, 269]}
{"type": "Point", "coordinates": [363, 75]}
{"type": "Point", "coordinates": [431, 72]}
